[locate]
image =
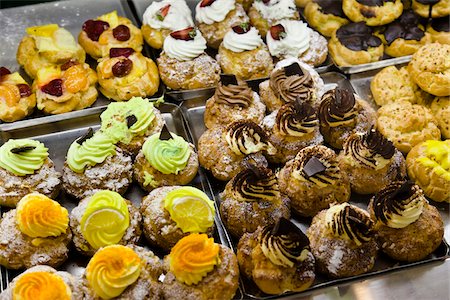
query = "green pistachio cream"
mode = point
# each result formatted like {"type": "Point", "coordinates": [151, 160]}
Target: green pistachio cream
{"type": "Point", "coordinates": [22, 157]}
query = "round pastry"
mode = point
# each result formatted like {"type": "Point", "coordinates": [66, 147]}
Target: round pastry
{"type": "Point", "coordinates": [302, 3]}
{"type": "Point", "coordinates": [43, 283]}
{"type": "Point", "coordinates": [428, 165]}
{"type": "Point", "coordinates": [25, 167]}
{"type": "Point", "coordinates": [244, 54]}
{"type": "Point", "coordinates": [232, 101]}
{"type": "Point", "coordinates": [104, 219]}
{"type": "Point", "coordinates": [289, 81]}
{"type": "Point", "coordinates": [161, 18]}
{"type": "Point", "coordinates": [439, 29]}
{"type": "Point", "coordinates": [172, 212]}
{"type": "Point", "coordinates": [342, 241]}
{"type": "Point", "coordinates": [440, 107]}
{"type": "Point", "coordinates": [130, 123]}
{"type": "Point", "coordinates": [430, 69]}
{"type": "Point", "coordinates": [373, 12]}
{"type": "Point", "coordinates": [265, 13]}
{"type": "Point", "coordinates": [355, 44]}
{"type": "Point", "coordinates": [252, 198]}
{"type": "Point", "coordinates": [326, 16]}
{"type": "Point", "coordinates": [371, 162]}
{"type": "Point", "coordinates": [122, 272]}
{"type": "Point", "coordinates": [94, 163]}
{"type": "Point", "coordinates": [291, 128]}
{"type": "Point", "coordinates": [431, 8]}
{"type": "Point", "coordinates": [277, 258]}
{"type": "Point", "coordinates": [61, 89]}
{"type": "Point", "coordinates": [35, 233]}
{"type": "Point", "coordinates": [16, 98]}
{"type": "Point", "coordinates": [184, 64]}
{"type": "Point", "coordinates": [46, 46]}
{"type": "Point", "coordinates": [408, 228]}
{"type": "Point", "coordinates": [342, 113]}
{"type": "Point", "coordinates": [165, 159]}
{"type": "Point", "coordinates": [407, 125]}
{"type": "Point", "coordinates": [215, 17]}
{"type": "Point", "coordinates": [109, 31]}
{"type": "Point", "coordinates": [313, 180]}
{"type": "Point", "coordinates": [198, 268]}
{"type": "Point", "coordinates": [222, 150]}
{"type": "Point", "coordinates": [294, 38]}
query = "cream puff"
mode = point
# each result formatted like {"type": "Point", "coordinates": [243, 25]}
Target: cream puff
{"type": "Point", "coordinates": [440, 108]}
{"type": "Point", "coordinates": [439, 29]}
{"type": "Point", "coordinates": [326, 16]}
{"type": "Point", "coordinates": [431, 8]}
{"type": "Point", "coordinates": [372, 12]}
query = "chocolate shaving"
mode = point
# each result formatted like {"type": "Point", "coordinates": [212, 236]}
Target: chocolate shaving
{"type": "Point", "coordinates": [165, 134]}
{"type": "Point", "coordinates": [344, 101]}
{"type": "Point", "coordinates": [404, 191]}
{"type": "Point", "coordinates": [89, 133]}
{"type": "Point", "coordinates": [18, 150]}
{"type": "Point", "coordinates": [131, 120]}
{"type": "Point", "coordinates": [285, 228]}
{"type": "Point", "coordinates": [313, 166]}
{"type": "Point", "coordinates": [258, 167]}
{"type": "Point", "coordinates": [377, 142]}
{"type": "Point", "coordinates": [293, 69]}
{"type": "Point", "coordinates": [228, 79]}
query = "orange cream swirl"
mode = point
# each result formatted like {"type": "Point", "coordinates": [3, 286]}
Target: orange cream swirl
{"type": "Point", "coordinates": [41, 286]}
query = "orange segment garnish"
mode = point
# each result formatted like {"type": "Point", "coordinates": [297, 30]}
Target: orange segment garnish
{"type": "Point", "coordinates": [41, 286]}
{"type": "Point", "coordinates": [9, 94]}
{"type": "Point", "coordinates": [75, 79]}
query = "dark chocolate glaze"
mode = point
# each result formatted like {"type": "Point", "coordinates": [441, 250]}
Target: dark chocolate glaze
{"type": "Point", "coordinates": [373, 2]}
{"type": "Point", "coordinates": [357, 36]}
{"type": "Point", "coordinates": [331, 7]}
{"type": "Point", "coordinates": [428, 2]}
{"type": "Point", "coordinates": [441, 24]}
{"type": "Point", "coordinates": [405, 27]}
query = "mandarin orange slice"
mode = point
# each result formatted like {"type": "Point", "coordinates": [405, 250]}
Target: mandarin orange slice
{"type": "Point", "coordinates": [9, 94]}
{"type": "Point", "coordinates": [75, 79]}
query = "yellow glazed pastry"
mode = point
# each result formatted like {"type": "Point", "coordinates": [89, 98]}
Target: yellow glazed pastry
{"type": "Point", "coordinates": [326, 16]}
{"type": "Point", "coordinates": [439, 8]}
{"type": "Point", "coordinates": [372, 12]}
{"type": "Point", "coordinates": [439, 29]}
{"type": "Point", "coordinates": [46, 46]}
{"type": "Point", "coordinates": [440, 107]}
{"type": "Point", "coordinates": [302, 3]}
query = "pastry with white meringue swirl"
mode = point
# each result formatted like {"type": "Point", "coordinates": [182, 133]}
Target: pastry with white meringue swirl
{"type": "Point", "coordinates": [408, 228]}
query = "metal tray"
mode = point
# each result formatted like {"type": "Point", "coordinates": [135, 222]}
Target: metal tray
{"type": "Point", "coordinates": [374, 65]}
{"type": "Point", "coordinates": [194, 110]}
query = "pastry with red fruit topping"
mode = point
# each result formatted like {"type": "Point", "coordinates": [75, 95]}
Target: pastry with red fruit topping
{"type": "Point", "coordinates": [109, 31]}
{"type": "Point", "coordinates": [215, 17]}
{"type": "Point", "coordinates": [183, 64]}
{"type": "Point", "coordinates": [16, 98]}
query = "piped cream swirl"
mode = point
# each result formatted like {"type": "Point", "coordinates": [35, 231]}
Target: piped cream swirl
{"type": "Point", "coordinates": [22, 163]}
{"type": "Point", "coordinates": [178, 15]}
{"type": "Point", "coordinates": [289, 88]}
{"type": "Point", "coordinates": [295, 119]}
{"type": "Point", "coordinates": [242, 42]}
{"type": "Point", "coordinates": [256, 184]}
{"type": "Point", "coordinates": [337, 108]}
{"type": "Point", "coordinates": [294, 43]}
{"type": "Point", "coordinates": [216, 12]}
{"type": "Point", "coordinates": [240, 95]}
{"type": "Point", "coordinates": [185, 50]}
{"type": "Point", "coordinates": [246, 137]}
{"type": "Point", "coordinates": [276, 9]}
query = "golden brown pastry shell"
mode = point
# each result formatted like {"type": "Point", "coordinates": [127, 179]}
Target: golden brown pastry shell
{"type": "Point", "coordinates": [23, 107]}
{"type": "Point", "coordinates": [440, 107]}
{"type": "Point", "coordinates": [442, 37]}
{"type": "Point", "coordinates": [384, 14]}
{"type": "Point", "coordinates": [440, 9]}
{"type": "Point", "coordinates": [326, 24]}
{"type": "Point", "coordinates": [154, 37]}
{"type": "Point", "coordinates": [401, 47]}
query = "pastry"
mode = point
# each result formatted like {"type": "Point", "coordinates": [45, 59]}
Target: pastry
{"type": "Point", "coordinates": [291, 128]}
{"type": "Point", "coordinates": [65, 88]}
{"type": "Point", "coordinates": [428, 165]}
{"type": "Point", "coordinates": [246, 4]}
{"type": "Point", "coordinates": [16, 98]}
{"type": "Point", "coordinates": [244, 54]}
{"type": "Point", "coordinates": [371, 162]}
{"type": "Point", "coordinates": [108, 31]}
{"type": "Point", "coordinates": [407, 125]}
{"type": "Point", "coordinates": [355, 44]}
{"type": "Point", "coordinates": [277, 258]}
{"type": "Point", "coordinates": [94, 163]}
{"type": "Point", "coordinates": [215, 17]}
{"type": "Point", "coordinates": [408, 228]}
{"type": "Point", "coordinates": [372, 12]}
{"type": "Point", "coordinates": [431, 8]}
{"type": "Point", "coordinates": [342, 241]}
{"type": "Point", "coordinates": [161, 18]}
{"type": "Point", "coordinates": [46, 46]}
{"type": "Point", "coordinates": [41, 283]}
{"type": "Point", "coordinates": [291, 38]}
{"type": "Point", "coordinates": [430, 69]}
{"type": "Point", "coordinates": [184, 64]}
{"type": "Point", "coordinates": [326, 16]}
{"type": "Point", "coordinates": [265, 13]}
{"type": "Point", "coordinates": [25, 167]}
{"type": "Point", "coordinates": [289, 81]}
{"type": "Point", "coordinates": [302, 3]}
{"type": "Point", "coordinates": [122, 272]}
{"type": "Point", "coordinates": [172, 212]}
{"type": "Point", "coordinates": [439, 29]}
{"type": "Point", "coordinates": [342, 113]}
{"type": "Point", "coordinates": [165, 159]}
{"type": "Point", "coordinates": [130, 123]}
{"type": "Point", "coordinates": [104, 219]}
{"type": "Point", "coordinates": [440, 107]}
{"type": "Point", "coordinates": [313, 180]}
{"type": "Point", "coordinates": [198, 268]}
{"type": "Point", "coordinates": [35, 233]}
{"type": "Point", "coordinates": [252, 198]}
{"type": "Point", "coordinates": [222, 149]}
{"type": "Point", "coordinates": [232, 101]}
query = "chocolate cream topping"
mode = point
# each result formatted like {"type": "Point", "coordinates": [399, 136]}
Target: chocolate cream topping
{"type": "Point", "coordinates": [406, 27]}
{"type": "Point", "coordinates": [337, 108]}
{"type": "Point", "coordinates": [246, 137]}
{"type": "Point", "coordinates": [296, 119]}
{"type": "Point", "coordinates": [256, 183]}
{"type": "Point", "coordinates": [373, 2]}
{"type": "Point", "coordinates": [325, 177]}
{"type": "Point", "coordinates": [357, 36]}
{"type": "Point", "coordinates": [441, 24]}
{"type": "Point", "coordinates": [231, 94]}
{"type": "Point", "coordinates": [331, 7]}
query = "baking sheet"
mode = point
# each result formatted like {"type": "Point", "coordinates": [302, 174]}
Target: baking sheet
{"type": "Point", "coordinates": [193, 111]}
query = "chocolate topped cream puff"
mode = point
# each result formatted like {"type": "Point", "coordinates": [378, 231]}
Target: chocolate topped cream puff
{"type": "Point", "coordinates": [431, 8]}
{"type": "Point", "coordinates": [439, 29]}
{"type": "Point", "coordinates": [326, 16]}
{"type": "Point", "coordinates": [372, 12]}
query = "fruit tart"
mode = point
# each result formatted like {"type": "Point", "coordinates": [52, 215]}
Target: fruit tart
{"type": "Point", "coordinates": [35, 233]}
{"type": "Point", "coordinates": [372, 12]}
{"type": "Point", "coordinates": [162, 17]}
{"type": "Point", "coordinates": [326, 16]}
{"type": "Point", "coordinates": [16, 98]}
{"type": "Point", "coordinates": [184, 64]}
{"type": "Point", "coordinates": [46, 46]}
{"type": "Point", "coordinates": [109, 31]}
{"type": "Point", "coordinates": [25, 167]}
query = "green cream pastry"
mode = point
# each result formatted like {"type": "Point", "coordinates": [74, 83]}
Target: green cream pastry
{"type": "Point", "coordinates": [25, 167]}
{"type": "Point", "coordinates": [95, 163]}
{"type": "Point", "coordinates": [165, 159]}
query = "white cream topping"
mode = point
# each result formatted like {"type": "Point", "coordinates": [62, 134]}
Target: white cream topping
{"type": "Point", "coordinates": [294, 43]}
{"type": "Point", "coordinates": [185, 50]}
{"type": "Point", "coordinates": [410, 213]}
{"type": "Point", "coordinates": [216, 12]}
{"type": "Point", "coordinates": [276, 9]}
{"type": "Point", "coordinates": [178, 17]}
{"type": "Point", "coordinates": [242, 42]}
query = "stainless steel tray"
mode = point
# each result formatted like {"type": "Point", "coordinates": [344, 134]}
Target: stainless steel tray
{"type": "Point", "coordinates": [193, 111]}
{"type": "Point", "coordinates": [375, 65]}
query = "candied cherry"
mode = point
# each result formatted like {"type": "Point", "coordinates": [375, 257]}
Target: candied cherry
{"type": "Point", "coordinates": [4, 71]}
{"type": "Point", "coordinates": [121, 33]}
{"type": "Point", "coordinates": [24, 89]}
{"type": "Point", "coordinates": [94, 28]}
{"type": "Point", "coordinates": [53, 88]}
{"type": "Point", "coordinates": [116, 52]}
{"type": "Point", "coordinates": [122, 68]}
